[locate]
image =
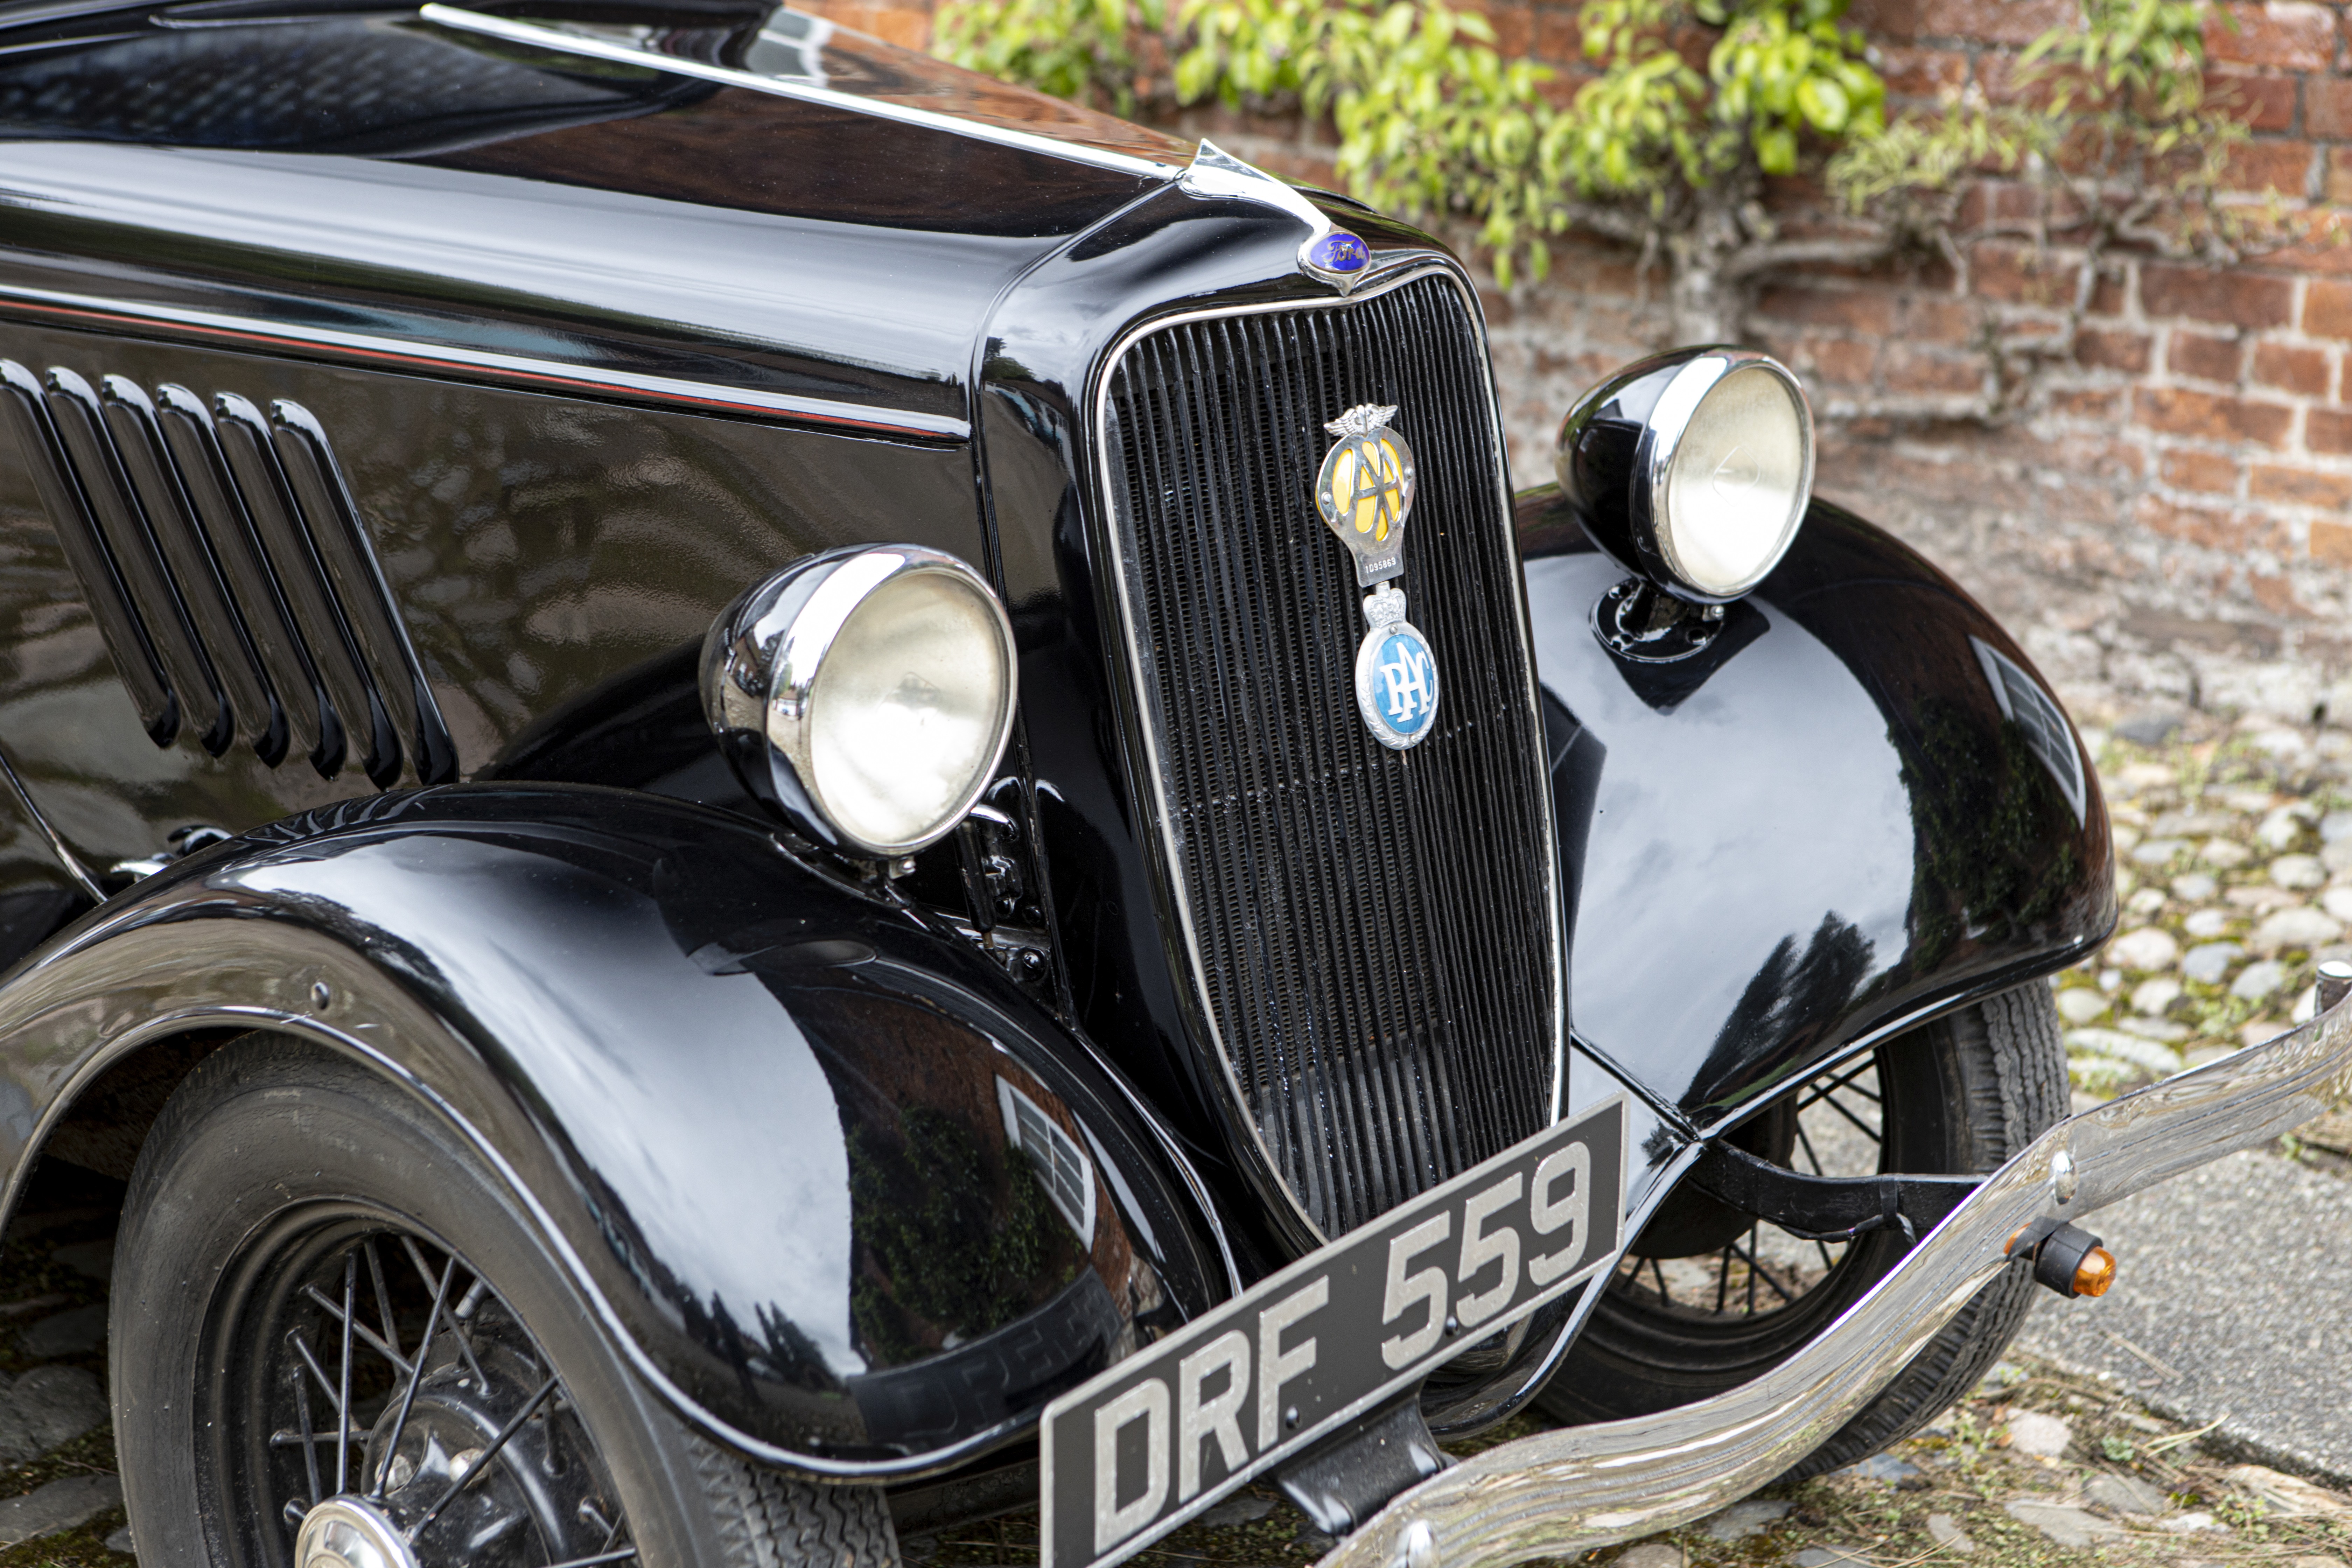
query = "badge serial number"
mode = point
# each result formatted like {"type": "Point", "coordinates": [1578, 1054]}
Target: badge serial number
{"type": "Point", "coordinates": [1130, 1456]}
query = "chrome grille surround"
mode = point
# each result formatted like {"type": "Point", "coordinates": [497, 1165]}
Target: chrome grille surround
{"type": "Point", "coordinates": [1327, 1196]}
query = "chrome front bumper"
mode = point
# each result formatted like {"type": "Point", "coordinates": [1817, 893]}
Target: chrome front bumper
{"type": "Point", "coordinates": [1562, 1492]}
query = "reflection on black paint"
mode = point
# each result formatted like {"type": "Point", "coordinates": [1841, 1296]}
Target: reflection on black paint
{"type": "Point", "coordinates": [1991, 868]}
{"type": "Point", "coordinates": [951, 1245]}
{"type": "Point", "coordinates": [1574, 757]}
{"type": "Point", "coordinates": [1667, 686]}
{"type": "Point", "coordinates": [775, 1102]}
{"type": "Point", "coordinates": [985, 1382]}
{"type": "Point", "coordinates": [1796, 995]}
{"type": "Point", "coordinates": [329, 84]}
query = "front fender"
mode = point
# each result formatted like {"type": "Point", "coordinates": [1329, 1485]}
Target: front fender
{"type": "Point", "coordinates": [766, 1119]}
{"type": "Point", "coordinates": [1859, 807]}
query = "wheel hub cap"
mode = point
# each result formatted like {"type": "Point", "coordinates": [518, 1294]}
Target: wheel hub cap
{"type": "Point", "coordinates": [350, 1532]}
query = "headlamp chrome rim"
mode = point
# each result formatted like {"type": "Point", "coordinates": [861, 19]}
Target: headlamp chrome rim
{"type": "Point", "coordinates": [766, 655]}
{"type": "Point", "coordinates": [1661, 440]}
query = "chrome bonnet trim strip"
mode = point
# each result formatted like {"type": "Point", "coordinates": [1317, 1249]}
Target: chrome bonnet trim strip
{"type": "Point", "coordinates": [1390, 274]}
{"type": "Point", "coordinates": [571, 43]}
{"type": "Point", "coordinates": [539, 375]}
{"type": "Point", "coordinates": [1563, 1493]}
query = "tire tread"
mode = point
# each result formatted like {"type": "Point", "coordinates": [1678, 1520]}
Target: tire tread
{"type": "Point", "coordinates": [767, 1520]}
{"type": "Point", "coordinates": [2015, 1069]}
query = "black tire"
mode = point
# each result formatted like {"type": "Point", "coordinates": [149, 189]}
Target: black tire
{"type": "Point", "coordinates": [269, 1157]}
{"type": "Point", "coordinates": [1960, 1095]}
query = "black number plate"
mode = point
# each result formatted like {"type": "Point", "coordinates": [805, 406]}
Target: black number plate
{"type": "Point", "coordinates": [1156, 1438]}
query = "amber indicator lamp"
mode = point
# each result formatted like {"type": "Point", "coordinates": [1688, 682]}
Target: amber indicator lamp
{"type": "Point", "coordinates": [2096, 1272]}
{"type": "Point", "coordinates": [2065, 1257]}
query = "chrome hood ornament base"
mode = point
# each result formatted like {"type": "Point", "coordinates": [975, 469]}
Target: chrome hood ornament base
{"type": "Point", "coordinates": [1328, 253]}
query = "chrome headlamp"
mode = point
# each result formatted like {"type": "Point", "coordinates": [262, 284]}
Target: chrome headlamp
{"type": "Point", "coordinates": [866, 694]}
{"type": "Point", "coordinates": [1693, 469]}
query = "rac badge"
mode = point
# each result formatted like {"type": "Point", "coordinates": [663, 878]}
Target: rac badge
{"type": "Point", "coordinates": [1365, 493]}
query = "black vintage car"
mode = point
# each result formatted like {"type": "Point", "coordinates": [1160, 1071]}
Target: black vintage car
{"type": "Point", "coordinates": [758, 795]}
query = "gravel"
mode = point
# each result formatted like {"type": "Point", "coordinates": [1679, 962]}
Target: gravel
{"type": "Point", "coordinates": [2067, 1526]}
{"type": "Point", "coordinates": [90, 1260]}
{"type": "Point", "coordinates": [2146, 948]}
{"type": "Point", "coordinates": [2235, 874]}
{"type": "Point", "coordinates": [2081, 1005]}
{"type": "Point", "coordinates": [1241, 1508]}
{"type": "Point", "coordinates": [2124, 1494]}
{"type": "Point", "coordinates": [1946, 1531]}
{"type": "Point", "coordinates": [2042, 1436]}
{"type": "Point", "coordinates": [2258, 982]}
{"type": "Point", "coordinates": [58, 1506]}
{"type": "Point", "coordinates": [1742, 1520]}
{"type": "Point", "coordinates": [2301, 927]}
{"type": "Point", "coordinates": [1650, 1554]}
{"type": "Point", "coordinates": [2209, 964]}
{"type": "Point", "coordinates": [49, 1406]}
{"type": "Point", "coordinates": [2301, 872]}
{"type": "Point", "coordinates": [2284, 1496]}
{"type": "Point", "coordinates": [77, 1332]}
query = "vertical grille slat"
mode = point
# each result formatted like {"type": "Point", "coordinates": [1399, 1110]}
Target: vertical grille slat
{"type": "Point", "coordinates": [1373, 928]}
{"type": "Point", "coordinates": [361, 593]}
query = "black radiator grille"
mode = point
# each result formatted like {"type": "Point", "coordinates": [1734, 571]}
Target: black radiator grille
{"type": "Point", "coordinates": [1373, 925]}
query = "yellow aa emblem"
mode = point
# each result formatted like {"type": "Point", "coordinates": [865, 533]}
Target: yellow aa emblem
{"type": "Point", "coordinates": [1365, 490]}
{"type": "Point", "coordinates": [1368, 484]}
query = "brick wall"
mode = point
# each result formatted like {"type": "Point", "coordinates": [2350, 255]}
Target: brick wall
{"type": "Point", "coordinates": [2170, 521]}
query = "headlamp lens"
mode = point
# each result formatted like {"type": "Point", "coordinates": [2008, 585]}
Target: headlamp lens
{"type": "Point", "coordinates": [1736, 485]}
{"type": "Point", "coordinates": [909, 709]}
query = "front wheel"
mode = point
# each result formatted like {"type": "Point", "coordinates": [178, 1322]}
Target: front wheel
{"type": "Point", "coordinates": [336, 1342]}
{"type": "Point", "coordinates": [1707, 1299]}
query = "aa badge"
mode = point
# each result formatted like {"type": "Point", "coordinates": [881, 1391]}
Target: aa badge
{"type": "Point", "coordinates": [1365, 490]}
{"type": "Point", "coordinates": [1365, 493]}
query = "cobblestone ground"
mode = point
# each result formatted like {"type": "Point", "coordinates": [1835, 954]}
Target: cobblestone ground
{"type": "Point", "coordinates": [2234, 861]}
{"type": "Point", "coordinates": [2037, 1467]}
{"type": "Point", "coordinates": [60, 1500]}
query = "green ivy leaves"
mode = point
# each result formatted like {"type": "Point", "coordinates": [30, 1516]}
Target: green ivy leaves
{"type": "Point", "coordinates": [1434, 121]}
{"type": "Point", "coordinates": [1083, 50]}
{"type": "Point", "coordinates": [1780, 70]}
{"type": "Point", "coordinates": [1688, 98]}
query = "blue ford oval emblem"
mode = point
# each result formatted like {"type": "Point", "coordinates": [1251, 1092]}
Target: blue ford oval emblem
{"type": "Point", "coordinates": [1339, 252]}
{"type": "Point", "coordinates": [1396, 683]}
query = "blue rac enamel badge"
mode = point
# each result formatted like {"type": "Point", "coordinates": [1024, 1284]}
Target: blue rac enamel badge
{"type": "Point", "coordinates": [1365, 493]}
{"type": "Point", "coordinates": [1396, 674]}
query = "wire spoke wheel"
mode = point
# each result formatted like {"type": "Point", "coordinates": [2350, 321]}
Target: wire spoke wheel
{"type": "Point", "coordinates": [336, 1342]}
{"type": "Point", "coordinates": [1831, 1125]}
{"type": "Point", "coordinates": [378, 1406]}
{"type": "Point", "coordinates": [1708, 1297]}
